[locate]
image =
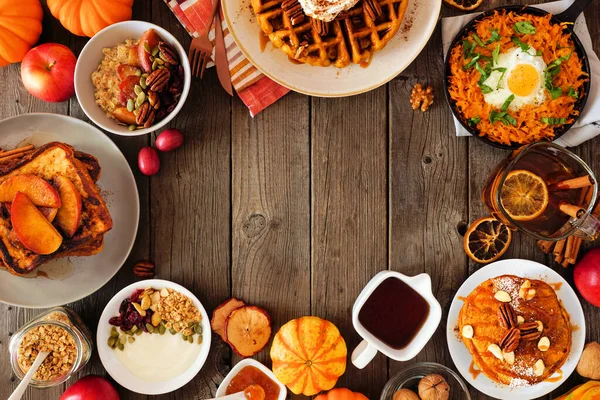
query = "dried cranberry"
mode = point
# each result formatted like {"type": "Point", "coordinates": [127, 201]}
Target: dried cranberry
{"type": "Point", "coordinates": [180, 72]}
{"type": "Point", "coordinates": [116, 321]}
{"type": "Point", "coordinates": [161, 114]}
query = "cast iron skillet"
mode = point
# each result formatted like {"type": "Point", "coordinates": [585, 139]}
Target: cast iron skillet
{"type": "Point", "coordinates": [569, 15]}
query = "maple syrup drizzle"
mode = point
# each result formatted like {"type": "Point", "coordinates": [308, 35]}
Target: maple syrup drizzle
{"type": "Point", "coordinates": [366, 63]}
{"type": "Point", "coordinates": [474, 372]}
{"type": "Point", "coordinates": [556, 286]}
{"type": "Point", "coordinates": [461, 298]}
{"type": "Point", "coordinates": [264, 39]}
{"type": "Point", "coordinates": [574, 328]}
{"type": "Point", "coordinates": [555, 378]}
{"type": "Point", "coordinates": [293, 61]}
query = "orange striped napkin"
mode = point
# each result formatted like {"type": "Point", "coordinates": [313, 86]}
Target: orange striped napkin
{"type": "Point", "coordinates": [256, 90]}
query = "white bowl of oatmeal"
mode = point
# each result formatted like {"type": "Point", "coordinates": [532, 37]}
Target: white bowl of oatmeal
{"type": "Point", "coordinates": [153, 357]}
{"type": "Point", "coordinates": [97, 79]}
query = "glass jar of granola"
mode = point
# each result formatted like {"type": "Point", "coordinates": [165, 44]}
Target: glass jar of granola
{"type": "Point", "coordinates": [59, 331]}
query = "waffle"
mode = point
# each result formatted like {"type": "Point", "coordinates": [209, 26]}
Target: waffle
{"type": "Point", "coordinates": [352, 37]}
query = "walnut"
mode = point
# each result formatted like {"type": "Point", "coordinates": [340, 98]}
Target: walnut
{"type": "Point", "coordinates": [434, 387]}
{"type": "Point", "coordinates": [405, 394]}
{"type": "Point", "coordinates": [421, 98]}
{"type": "Point", "coordinates": [589, 363]}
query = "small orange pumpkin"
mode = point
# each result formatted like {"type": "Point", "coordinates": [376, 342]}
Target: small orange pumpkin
{"type": "Point", "coordinates": [309, 355]}
{"type": "Point", "coordinates": [20, 28]}
{"type": "Point", "coordinates": [87, 17]}
{"type": "Point", "coordinates": [341, 394]}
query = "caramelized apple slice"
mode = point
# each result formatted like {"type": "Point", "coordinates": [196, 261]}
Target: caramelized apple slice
{"type": "Point", "coordinates": [221, 313]}
{"type": "Point", "coordinates": [248, 330]}
{"type": "Point", "coordinates": [127, 89]}
{"type": "Point", "coordinates": [31, 227]}
{"type": "Point", "coordinates": [125, 70]}
{"type": "Point", "coordinates": [40, 192]}
{"type": "Point", "coordinates": [151, 38]}
{"type": "Point", "coordinates": [132, 56]}
{"type": "Point", "coordinates": [69, 213]}
{"type": "Point", "coordinates": [124, 115]}
{"type": "Point", "coordinates": [49, 212]}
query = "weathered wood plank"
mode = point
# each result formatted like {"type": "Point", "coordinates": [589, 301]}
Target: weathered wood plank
{"type": "Point", "coordinates": [271, 209]}
{"type": "Point", "coordinates": [349, 216]}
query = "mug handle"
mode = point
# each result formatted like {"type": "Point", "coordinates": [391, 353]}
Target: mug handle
{"type": "Point", "coordinates": [363, 354]}
{"type": "Point", "coordinates": [589, 228]}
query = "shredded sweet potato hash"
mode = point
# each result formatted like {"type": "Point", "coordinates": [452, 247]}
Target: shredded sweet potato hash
{"type": "Point", "coordinates": [564, 77]}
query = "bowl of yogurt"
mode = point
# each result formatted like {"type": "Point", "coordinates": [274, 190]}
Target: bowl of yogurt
{"type": "Point", "coordinates": [153, 337]}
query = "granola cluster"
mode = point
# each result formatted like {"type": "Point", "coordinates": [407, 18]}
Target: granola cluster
{"type": "Point", "coordinates": [49, 338]}
{"type": "Point", "coordinates": [177, 310]}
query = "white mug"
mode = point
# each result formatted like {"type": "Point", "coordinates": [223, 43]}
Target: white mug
{"type": "Point", "coordinates": [368, 348]}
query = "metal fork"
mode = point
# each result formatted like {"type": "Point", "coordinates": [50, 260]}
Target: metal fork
{"type": "Point", "coordinates": [201, 47]}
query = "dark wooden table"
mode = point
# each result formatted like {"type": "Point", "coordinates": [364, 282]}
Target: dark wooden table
{"type": "Point", "coordinates": [296, 209]}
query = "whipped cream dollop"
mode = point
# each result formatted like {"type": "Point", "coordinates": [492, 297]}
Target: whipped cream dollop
{"type": "Point", "coordinates": [326, 10]}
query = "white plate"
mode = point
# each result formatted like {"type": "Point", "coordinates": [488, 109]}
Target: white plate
{"type": "Point", "coordinates": [70, 279]}
{"type": "Point", "coordinates": [253, 363]}
{"type": "Point", "coordinates": [528, 269]}
{"type": "Point", "coordinates": [119, 372]}
{"type": "Point", "coordinates": [417, 27]}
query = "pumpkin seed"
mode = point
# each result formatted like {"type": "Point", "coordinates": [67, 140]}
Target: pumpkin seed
{"type": "Point", "coordinates": [131, 339]}
{"type": "Point", "coordinates": [190, 324]}
{"type": "Point", "coordinates": [120, 346]}
{"type": "Point", "coordinates": [191, 339]}
{"type": "Point", "coordinates": [129, 333]}
{"type": "Point", "coordinates": [130, 105]}
{"type": "Point", "coordinates": [140, 99]}
{"type": "Point", "coordinates": [147, 47]}
{"type": "Point", "coordinates": [163, 57]}
{"type": "Point", "coordinates": [198, 329]}
{"type": "Point", "coordinates": [150, 328]}
{"type": "Point", "coordinates": [144, 86]}
{"type": "Point", "coordinates": [184, 337]}
{"type": "Point", "coordinates": [137, 89]}
{"type": "Point", "coordinates": [111, 341]}
{"type": "Point", "coordinates": [159, 61]}
{"type": "Point", "coordinates": [162, 329]}
{"type": "Point", "coordinates": [173, 331]}
{"type": "Point", "coordinates": [134, 329]}
{"type": "Point", "coordinates": [131, 127]}
{"type": "Point", "coordinates": [138, 332]}
{"type": "Point", "coordinates": [113, 332]}
{"type": "Point", "coordinates": [145, 75]}
{"type": "Point", "coordinates": [154, 52]}
{"type": "Point", "coordinates": [122, 339]}
{"type": "Point", "coordinates": [200, 339]}
{"type": "Point", "coordinates": [154, 65]}
{"type": "Point", "coordinates": [138, 72]}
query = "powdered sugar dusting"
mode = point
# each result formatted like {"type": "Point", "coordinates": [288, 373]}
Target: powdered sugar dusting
{"type": "Point", "coordinates": [510, 285]}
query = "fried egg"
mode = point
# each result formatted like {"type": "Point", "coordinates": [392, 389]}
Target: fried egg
{"type": "Point", "coordinates": [519, 73]}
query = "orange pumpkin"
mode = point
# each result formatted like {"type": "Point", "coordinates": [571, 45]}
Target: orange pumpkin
{"type": "Point", "coordinates": [87, 17]}
{"type": "Point", "coordinates": [309, 355]}
{"type": "Point", "coordinates": [20, 28]}
{"type": "Point", "coordinates": [341, 394]}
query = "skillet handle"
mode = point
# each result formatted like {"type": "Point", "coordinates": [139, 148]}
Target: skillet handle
{"type": "Point", "coordinates": [571, 13]}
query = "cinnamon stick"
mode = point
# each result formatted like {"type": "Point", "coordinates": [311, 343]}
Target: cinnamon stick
{"type": "Point", "coordinates": [546, 246]}
{"type": "Point", "coordinates": [569, 247]}
{"type": "Point", "coordinates": [571, 209]}
{"type": "Point", "coordinates": [559, 247]}
{"type": "Point", "coordinates": [16, 151]}
{"type": "Point", "coordinates": [574, 183]}
{"type": "Point", "coordinates": [13, 156]}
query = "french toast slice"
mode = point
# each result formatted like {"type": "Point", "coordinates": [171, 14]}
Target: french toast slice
{"type": "Point", "coordinates": [48, 162]}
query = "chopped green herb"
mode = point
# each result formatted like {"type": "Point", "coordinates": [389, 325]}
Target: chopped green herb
{"type": "Point", "coordinates": [483, 72]}
{"type": "Point", "coordinates": [485, 88]}
{"type": "Point", "coordinates": [468, 48]}
{"type": "Point", "coordinates": [524, 46]}
{"type": "Point", "coordinates": [477, 40]}
{"type": "Point", "coordinates": [555, 92]}
{"type": "Point", "coordinates": [554, 121]}
{"type": "Point", "coordinates": [573, 93]}
{"type": "Point", "coordinates": [524, 28]}
{"type": "Point", "coordinates": [495, 37]}
{"type": "Point", "coordinates": [503, 71]}
{"type": "Point", "coordinates": [496, 53]}
{"type": "Point", "coordinates": [507, 102]}
{"type": "Point", "coordinates": [552, 70]}
{"type": "Point", "coordinates": [539, 53]}
{"type": "Point", "coordinates": [502, 116]}
{"type": "Point", "coordinates": [474, 120]}
{"type": "Point", "coordinates": [471, 63]}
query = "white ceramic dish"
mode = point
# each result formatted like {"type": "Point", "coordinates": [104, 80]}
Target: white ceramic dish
{"type": "Point", "coordinates": [90, 57]}
{"type": "Point", "coordinates": [119, 372]}
{"type": "Point", "coordinates": [370, 345]}
{"type": "Point", "coordinates": [253, 363]}
{"type": "Point", "coordinates": [70, 279]}
{"type": "Point", "coordinates": [417, 27]}
{"type": "Point", "coordinates": [523, 268]}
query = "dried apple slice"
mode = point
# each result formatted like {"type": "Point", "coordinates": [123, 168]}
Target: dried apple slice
{"type": "Point", "coordinates": [248, 330]}
{"type": "Point", "coordinates": [221, 313]}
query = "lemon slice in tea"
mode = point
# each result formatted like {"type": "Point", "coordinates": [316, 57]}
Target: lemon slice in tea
{"type": "Point", "coordinates": [486, 240]}
{"type": "Point", "coordinates": [524, 195]}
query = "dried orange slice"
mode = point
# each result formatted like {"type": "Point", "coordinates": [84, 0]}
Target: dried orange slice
{"type": "Point", "coordinates": [524, 195]}
{"type": "Point", "coordinates": [486, 240]}
{"type": "Point", "coordinates": [248, 330]}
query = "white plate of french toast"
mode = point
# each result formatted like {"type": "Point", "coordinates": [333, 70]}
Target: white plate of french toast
{"type": "Point", "coordinates": [329, 48]}
{"type": "Point", "coordinates": [69, 210]}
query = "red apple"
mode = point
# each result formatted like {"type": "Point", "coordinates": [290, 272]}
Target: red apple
{"type": "Point", "coordinates": [91, 387]}
{"type": "Point", "coordinates": [587, 276]}
{"type": "Point", "coordinates": [47, 72]}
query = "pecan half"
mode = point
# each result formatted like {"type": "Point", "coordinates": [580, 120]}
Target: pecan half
{"type": "Point", "coordinates": [510, 341]}
{"type": "Point", "coordinates": [145, 116]}
{"type": "Point", "coordinates": [153, 99]}
{"type": "Point", "coordinates": [507, 316]}
{"type": "Point", "coordinates": [150, 119]}
{"type": "Point", "coordinates": [321, 27]}
{"type": "Point", "coordinates": [167, 54]}
{"type": "Point", "coordinates": [158, 79]}
{"type": "Point", "coordinates": [529, 331]}
{"type": "Point", "coordinates": [144, 269]}
{"type": "Point", "coordinates": [293, 10]}
{"type": "Point", "coordinates": [372, 8]}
